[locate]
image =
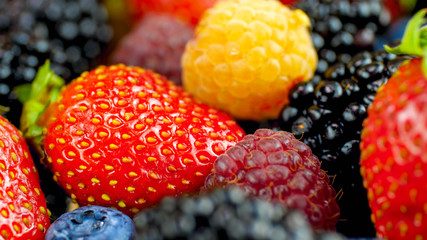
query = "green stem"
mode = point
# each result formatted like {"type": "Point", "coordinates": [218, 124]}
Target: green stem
{"type": "Point", "coordinates": [414, 41]}
{"type": "Point", "coordinates": [37, 96]}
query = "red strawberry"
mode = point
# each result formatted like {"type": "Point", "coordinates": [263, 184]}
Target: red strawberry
{"type": "Point", "coordinates": [189, 11]}
{"type": "Point", "coordinates": [393, 148]}
{"type": "Point", "coordinates": [23, 212]}
{"type": "Point", "coordinates": [125, 137]}
{"type": "Point", "coordinates": [276, 166]}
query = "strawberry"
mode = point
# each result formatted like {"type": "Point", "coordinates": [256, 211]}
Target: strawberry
{"type": "Point", "coordinates": [393, 148]}
{"type": "Point", "coordinates": [23, 212]}
{"type": "Point", "coordinates": [189, 11]}
{"type": "Point", "coordinates": [125, 137]}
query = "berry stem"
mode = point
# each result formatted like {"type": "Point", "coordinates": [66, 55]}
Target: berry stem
{"type": "Point", "coordinates": [414, 41]}
{"type": "Point", "coordinates": [46, 83]}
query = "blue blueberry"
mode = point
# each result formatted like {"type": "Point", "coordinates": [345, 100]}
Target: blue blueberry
{"type": "Point", "coordinates": [90, 223]}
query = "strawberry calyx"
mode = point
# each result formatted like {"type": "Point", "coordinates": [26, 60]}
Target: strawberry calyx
{"type": "Point", "coordinates": [3, 109]}
{"type": "Point", "coordinates": [414, 41]}
{"type": "Point", "coordinates": [33, 96]}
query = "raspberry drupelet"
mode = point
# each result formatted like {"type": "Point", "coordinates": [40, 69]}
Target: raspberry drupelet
{"type": "Point", "coordinates": [277, 167]}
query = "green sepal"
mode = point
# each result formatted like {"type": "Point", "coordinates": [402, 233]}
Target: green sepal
{"type": "Point", "coordinates": [44, 90]}
{"type": "Point", "coordinates": [4, 109]}
{"type": "Point", "coordinates": [414, 41]}
{"type": "Point", "coordinates": [23, 92]}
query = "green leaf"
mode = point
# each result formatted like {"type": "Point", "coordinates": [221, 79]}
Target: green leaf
{"type": "Point", "coordinates": [414, 38]}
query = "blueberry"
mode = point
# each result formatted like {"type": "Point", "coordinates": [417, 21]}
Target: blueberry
{"type": "Point", "coordinates": [92, 222]}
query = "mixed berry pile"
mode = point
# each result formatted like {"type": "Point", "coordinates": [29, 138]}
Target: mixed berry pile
{"type": "Point", "coordinates": [213, 119]}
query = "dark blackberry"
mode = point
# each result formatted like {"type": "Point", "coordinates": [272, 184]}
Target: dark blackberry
{"type": "Point", "coordinates": [72, 34]}
{"type": "Point", "coordinates": [329, 120]}
{"type": "Point", "coordinates": [341, 28]}
{"type": "Point", "coordinates": [224, 214]}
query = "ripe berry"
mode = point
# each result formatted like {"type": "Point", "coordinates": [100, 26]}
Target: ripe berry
{"type": "Point", "coordinates": [72, 34]}
{"type": "Point", "coordinates": [224, 214]}
{"type": "Point", "coordinates": [246, 55]}
{"type": "Point", "coordinates": [327, 115]}
{"type": "Point", "coordinates": [125, 137]}
{"type": "Point", "coordinates": [92, 223]}
{"type": "Point", "coordinates": [342, 28]}
{"type": "Point", "coordinates": [277, 167]}
{"type": "Point", "coordinates": [157, 42]}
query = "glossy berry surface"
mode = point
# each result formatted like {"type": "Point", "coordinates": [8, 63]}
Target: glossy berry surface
{"type": "Point", "coordinates": [327, 115]}
{"type": "Point", "coordinates": [92, 222]}
{"type": "Point", "coordinates": [246, 55]}
{"type": "Point", "coordinates": [72, 34]}
{"type": "Point", "coordinates": [393, 159]}
{"type": "Point", "coordinates": [224, 214]}
{"type": "Point", "coordinates": [342, 28]}
{"type": "Point", "coordinates": [160, 41]}
{"type": "Point", "coordinates": [125, 137]}
{"type": "Point", "coordinates": [277, 167]}
{"type": "Point", "coordinates": [23, 212]}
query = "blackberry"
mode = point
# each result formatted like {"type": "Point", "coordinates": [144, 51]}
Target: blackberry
{"type": "Point", "coordinates": [72, 34]}
{"type": "Point", "coordinates": [224, 214]}
{"type": "Point", "coordinates": [328, 116]}
{"type": "Point", "coordinates": [342, 28]}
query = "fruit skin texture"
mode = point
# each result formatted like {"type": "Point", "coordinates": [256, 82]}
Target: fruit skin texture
{"type": "Point", "coordinates": [224, 214]}
{"type": "Point", "coordinates": [125, 137]}
{"type": "Point", "coordinates": [92, 223]}
{"type": "Point", "coordinates": [277, 167]}
{"type": "Point", "coordinates": [246, 55]}
{"type": "Point", "coordinates": [160, 41]}
{"type": "Point", "coordinates": [23, 212]}
{"type": "Point", "coordinates": [393, 159]}
{"type": "Point", "coordinates": [327, 115]}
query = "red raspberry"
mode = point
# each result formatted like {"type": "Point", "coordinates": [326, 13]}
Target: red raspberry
{"type": "Point", "coordinates": [157, 42]}
{"type": "Point", "coordinates": [276, 166]}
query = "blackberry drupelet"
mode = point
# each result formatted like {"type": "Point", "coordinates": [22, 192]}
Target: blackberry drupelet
{"type": "Point", "coordinates": [224, 214]}
{"type": "Point", "coordinates": [328, 117]}
{"type": "Point", "coordinates": [342, 28]}
{"type": "Point", "coordinates": [72, 34]}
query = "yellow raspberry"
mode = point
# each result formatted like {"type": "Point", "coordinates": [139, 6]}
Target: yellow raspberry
{"type": "Point", "coordinates": [246, 55]}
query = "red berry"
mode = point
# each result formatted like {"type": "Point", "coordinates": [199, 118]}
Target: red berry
{"type": "Point", "coordinates": [23, 212]}
{"type": "Point", "coordinates": [393, 162]}
{"type": "Point", "coordinates": [189, 11]}
{"type": "Point", "coordinates": [393, 147]}
{"type": "Point", "coordinates": [125, 137]}
{"type": "Point", "coordinates": [276, 166]}
{"type": "Point", "coordinates": [157, 42]}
